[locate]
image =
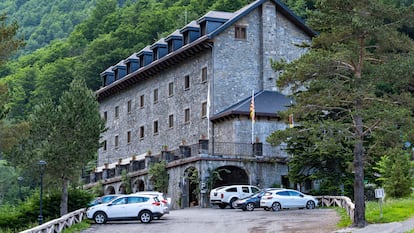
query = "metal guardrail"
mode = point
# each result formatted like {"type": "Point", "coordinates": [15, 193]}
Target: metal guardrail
{"type": "Point", "coordinates": [341, 201]}
{"type": "Point", "coordinates": [57, 225]}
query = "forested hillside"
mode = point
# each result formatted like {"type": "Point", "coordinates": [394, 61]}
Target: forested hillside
{"type": "Point", "coordinates": [112, 32]}
{"type": "Point", "coordinates": [44, 21]}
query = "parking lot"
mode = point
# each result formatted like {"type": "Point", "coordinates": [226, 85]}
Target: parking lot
{"type": "Point", "coordinates": [207, 220]}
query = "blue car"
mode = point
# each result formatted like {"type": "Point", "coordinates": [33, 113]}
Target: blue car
{"type": "Point", "coordinates": [103, 199]}
{"type": "Point", "coordinates": [250, 202]}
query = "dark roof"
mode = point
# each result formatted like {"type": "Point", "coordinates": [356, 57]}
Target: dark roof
{"type": "Point", "coordinates": [193, 48]}
{"type": "Point", "coordinates": [279, 6]}
{"type": "Point", "coordinates": [267, 104]}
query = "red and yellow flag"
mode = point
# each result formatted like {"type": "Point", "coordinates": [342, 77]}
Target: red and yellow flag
{"type": "Point", "coordinates": [252, 110]}
{"type": "Point", "coordinates": [291, 121]}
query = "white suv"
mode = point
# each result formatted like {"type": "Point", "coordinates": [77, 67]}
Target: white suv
{"type": "Point", "coordinates": [127, 207]}
{"type": "Point", "coordinates": [227, 195]}
{"type": "Point", "coordinates": [165, 202]}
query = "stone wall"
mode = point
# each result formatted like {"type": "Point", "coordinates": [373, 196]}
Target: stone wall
{"type": "Point", "coordinates": [167, 105]}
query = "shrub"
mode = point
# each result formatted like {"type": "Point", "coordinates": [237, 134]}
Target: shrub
{"type": "Point", "coordinates": [396, 174]}
{"type": "Point", "coordinates": [26, 214]}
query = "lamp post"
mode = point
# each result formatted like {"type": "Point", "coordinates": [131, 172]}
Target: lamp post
{"type": "Point", "coordinates": [42, 165]}
{"type": "Point", "coordinates": [20, 180]}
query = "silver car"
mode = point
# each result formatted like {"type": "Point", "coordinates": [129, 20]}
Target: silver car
{"type": "Point", "coordinates": [286, 199]}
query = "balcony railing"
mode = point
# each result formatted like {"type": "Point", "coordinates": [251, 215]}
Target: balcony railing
{"type": "Point", "coordinates": [219, 149]}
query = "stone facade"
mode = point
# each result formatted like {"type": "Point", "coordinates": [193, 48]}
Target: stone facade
{"type": "Point", "coordinates": [143, 115]}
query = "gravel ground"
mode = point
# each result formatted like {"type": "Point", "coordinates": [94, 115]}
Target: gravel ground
{"type": "Point", "coordinates": [207, 220]}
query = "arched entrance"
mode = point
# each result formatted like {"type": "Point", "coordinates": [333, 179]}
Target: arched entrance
{"type": "Point", "coordinates": [229, 175]}
{"type": "Point", "coordinates": [190, 188]}
{"type": "Point", "coordinates": [109, 190]}
{"type": "Point", "coordinates": [122, 189]}
{"type": "Point", "coordinates": [138, 185]}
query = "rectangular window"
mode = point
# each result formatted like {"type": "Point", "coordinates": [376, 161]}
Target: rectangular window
{"type": "Point", "coordinates": [187, 115]}
{"type": "Point", "coordinates": [129, 137]}
{"type": "Point", "coordinates": [240, 32]}
{"type": "Point", "coordinates": [204, 109]}
{"type": "Point", "coordinates": [116, 111]}
{"type": "Point", "coordinates": [105, 116]}
{"type": "Point", "coordinates": [141, 132]}
{"type": "Point", "coordinates": [155, 96]}
{"type": "Point", "coordinates": [155, 127]}
{"type": "Point", "coordinates": [171, 121]}
{"type": "Point", "coordinates": [141, 101]}
{"type": "Point", "coordinates": [187, 82]}
{"type": "Point", "coordinates": [116, 141]}
{"type": "Point", "coordinates": [104, 148]}
{"type": "Point", "coordinates": [204, 75]}
{"type": "Point", "coordinates": [129, 106]}
{"type": "Point", "coordinates": [170, 89]}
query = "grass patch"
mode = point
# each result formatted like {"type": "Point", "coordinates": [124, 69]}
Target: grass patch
{"type": "Point", "coordinates": [78, 227]}
{"type": "Point", "coordinates": [345, 221]}
{"type": "Point", "coordinates": [393, 210]}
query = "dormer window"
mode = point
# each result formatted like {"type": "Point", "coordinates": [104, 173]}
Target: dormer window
{"type": "Point", "coordinates": [240, 32]}
{"type": "Point", "coordinates": [203, 28]}
{"type": "Point", "coordinates": [116, 74]}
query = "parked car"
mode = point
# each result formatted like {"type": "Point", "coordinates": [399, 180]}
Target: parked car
{"type": "Point", "coordinates": [127, 207]}
{"type": "Point", "coordinates": [287, 198]}
{"type": "Point", "coordinates": [227, 195]}
{"type": "Point", "coordinates": [251, 202]}
{"type": "Point", "coordinates": [103, 199]}
{"type": "Point", "coordinates": [165, 202]}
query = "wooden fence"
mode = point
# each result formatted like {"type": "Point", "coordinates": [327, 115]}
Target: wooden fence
{"type": "Point", "coordinates": [341, 201]}
{"type": "Point", "coordinates": [57, 225]}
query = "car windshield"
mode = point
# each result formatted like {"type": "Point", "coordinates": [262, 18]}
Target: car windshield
{"type": "Point", "coordinates": [254, 194]}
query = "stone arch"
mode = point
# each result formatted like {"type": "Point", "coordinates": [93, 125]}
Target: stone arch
{"type": "Point", "coordinates": [138, 185]}
{"type": "Point", "coordinates": [230, 175]}
{"type": "Point", "coordinates": [109, 190]}
{"type": "Point", "coordinates": [190, 190]}
{"type": "Point", "coordinates": [122, 189]}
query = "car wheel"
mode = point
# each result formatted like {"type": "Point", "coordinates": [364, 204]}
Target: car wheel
{"type": "Point", "coordinates": [276, 206]}
{"type": "Point", "coordinates": [250, 206]}
{"type": "Point", "coordinates": [100, 217]}
{"type": "Point", "coordinates": [145, 216]}
{"type": "Point", "coordinates": [222, 206]}
{"type": "Point", "coordinates": [232, 202]}
{"type": "Point", "coordinates": [310, 205]}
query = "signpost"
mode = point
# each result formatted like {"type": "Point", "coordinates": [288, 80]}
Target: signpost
{"type": "Point", "coordinates": [380, 194]}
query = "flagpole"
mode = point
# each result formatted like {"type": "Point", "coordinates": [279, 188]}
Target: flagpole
{"type": "Point", "coordinates": [252, 115]}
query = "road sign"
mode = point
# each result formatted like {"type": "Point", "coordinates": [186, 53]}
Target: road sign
{"type": "Point", "coordinates": [379, 193]}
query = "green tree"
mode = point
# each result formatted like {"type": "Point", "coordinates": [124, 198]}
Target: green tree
{"type": "Point", "coordinates": [337, 82]}
{"type": "Point", "coordinates": [396, 174]}
{"type": "Point", "coordinates": [159, 176]}
{"type": "Point", "coordinates": [75, 136]}
{"type": "Point", "coordinates": [67, 136]}
{"type": "Point", "coordinates": [8, 42]}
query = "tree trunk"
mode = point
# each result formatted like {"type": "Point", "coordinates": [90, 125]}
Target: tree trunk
{"type": "Point", "coordinates": [64, 197]}
{"type": "Point", "coordinates": [359, 197]}
{"type": "Point", "coordinates": [359, 153]}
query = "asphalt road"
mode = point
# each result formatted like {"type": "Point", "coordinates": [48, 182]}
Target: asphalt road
{"type": "Point", "coordinates": [208, 220]}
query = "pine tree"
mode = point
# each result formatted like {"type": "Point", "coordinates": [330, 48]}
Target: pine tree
{"type": "Point", "coordinates": [8, 43]}
{"type": "Point", "coordinates": [66, 136]}
{"type": "Point", "coordinates": [76, 136]}
{"type": "Point", "coordinates": [338, 86]}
